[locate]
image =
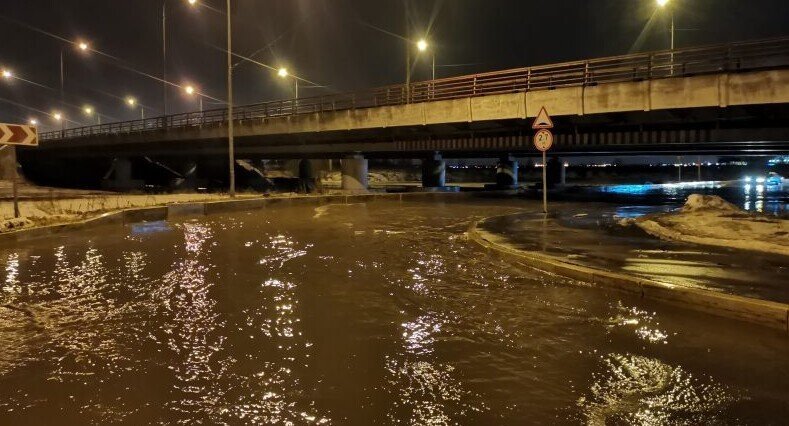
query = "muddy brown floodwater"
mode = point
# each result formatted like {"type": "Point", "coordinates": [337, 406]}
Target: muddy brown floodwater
{"type": "Point", "coordinates": [375, 313]}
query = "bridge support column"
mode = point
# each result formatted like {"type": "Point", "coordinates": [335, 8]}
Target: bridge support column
{"type": "Point", "coordinates": [306, 176]}
{"type": "Point", "coordinates": [354, 173]}
{"type": "Point", "coordinates": [507, 173]}
{"type": "Point", "coordinates": [8, 170]}
{"type": "Point", "coordinates": [556, 172]}
{"type": "Point", "coordinates": [121, 173]}
{"type": "Point", "coordinates": [434, 172]}
{"type": "Point", "coordinates": [188, 176]}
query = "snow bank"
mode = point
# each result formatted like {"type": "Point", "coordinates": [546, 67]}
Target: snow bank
{"type": "Point", "coordinates": [56, 211]}
{"type": "Point", "coordinates": [697, 202]}
{"type": "Point", "coordinates": [711, 220]}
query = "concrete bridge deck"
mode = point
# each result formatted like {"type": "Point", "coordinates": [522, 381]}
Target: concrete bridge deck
{"type": "Point", "coordinates": [715, 94]}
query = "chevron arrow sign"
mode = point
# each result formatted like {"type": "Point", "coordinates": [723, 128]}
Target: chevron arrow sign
{"type": "Point", "coordinates": [18, 134]}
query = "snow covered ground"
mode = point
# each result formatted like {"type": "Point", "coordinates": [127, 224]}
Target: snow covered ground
{"type": "Point", "coordinates": [38, 212]}
{"type": "Point", "coordinates": [710, 220]}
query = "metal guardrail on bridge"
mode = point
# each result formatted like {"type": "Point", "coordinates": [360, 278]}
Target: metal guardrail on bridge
{"type": "Point", "coordinates": [760, 54]}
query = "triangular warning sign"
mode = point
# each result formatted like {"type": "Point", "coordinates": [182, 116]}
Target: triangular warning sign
{"type": "Point", "coordinates": [543, 120]}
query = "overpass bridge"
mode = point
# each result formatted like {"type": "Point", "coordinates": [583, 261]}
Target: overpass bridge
{"type": "Point", "coordinates": [731, 98]}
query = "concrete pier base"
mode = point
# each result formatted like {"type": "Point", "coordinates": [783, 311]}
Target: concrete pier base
{"type": "Point", "coordinates": [434, 172]}
{"type": "Point", "coordinates": [354, 173]}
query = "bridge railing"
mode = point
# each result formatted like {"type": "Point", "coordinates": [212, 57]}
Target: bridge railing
{"type": "Point", "coordinates": [761, 54]}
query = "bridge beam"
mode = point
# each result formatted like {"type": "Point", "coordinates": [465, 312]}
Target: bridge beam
{"type": "Point", "coordinates": [354, 173]}
{"type": "Point", "coordinates": [434, 172]}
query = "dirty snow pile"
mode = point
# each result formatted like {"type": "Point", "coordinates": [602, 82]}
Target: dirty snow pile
{"type": "Point", "coordinates": [711, 220]}
{"type": "Point", "coordinates": [42, 212]}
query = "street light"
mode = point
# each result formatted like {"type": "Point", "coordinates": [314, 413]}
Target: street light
{"type": "Point", "coordinates": [7, 74]}
{"type": "Point", "coordinates": [230, 143]}
{"type": "Point", "coordinates": [88, 111]}
{"type": "Point", "coordinates": [422, 45]}
{"type": "Point", "coordinates": [283, 73]}
{"type": "Point", "coordinates": [131, 101]}
{"type": "Point", "coordinates": [190, 91]}
{"type": "Point", "coordinates": [81, 45]}
{"type": "Point", "coordinates": [32, 122]}
{"type": "Point", "coordinates": [664, 4]}
{"type": "Point", "coordinates": [59, 118]}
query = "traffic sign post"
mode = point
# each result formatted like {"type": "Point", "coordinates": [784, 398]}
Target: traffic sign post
{"type": "Point", "coordinates": [17, 134]}
{"type": "Point", "coordinates": [543, 140]}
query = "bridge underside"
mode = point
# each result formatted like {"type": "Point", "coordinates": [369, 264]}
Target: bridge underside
{"type": "Point", "coordinates": [754, 129]}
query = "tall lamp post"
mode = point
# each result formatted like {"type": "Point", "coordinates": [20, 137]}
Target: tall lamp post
{"type": "Point", "coordinates": [190, 90]}
{"type": "Point", "coordinates": [665, 4]}
{"type": "Point", "coordinates": [89, 112]}
{"type": "Point", "coordinates": [422, 46]}
{"type": "Point", "coordinates": [82, 46]}
{"type": "Point", "coordinates": [230, 145]}
{"type": "Point", "coordinates": [131, 101]}
{"type": "Point", "coordinates": [283, 73]}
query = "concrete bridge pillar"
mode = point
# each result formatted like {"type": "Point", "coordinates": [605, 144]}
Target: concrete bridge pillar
{"type": "Point", "coordinates": [8, 168]}
{"type": "Point", "coordinates": [306, 176]}
{"type": "Point", "coordinates": [507, 173]}
{"type": "Point", "coordinates": [354, 173]}
{"type": "Point", "coordinates": [186, 175]}
{"type": "Point", "coordinates": [121, 173]}
{"type": "Point", "coordinates": [556, 172]}
{"type": "Point", "coordinates": [434, 172]}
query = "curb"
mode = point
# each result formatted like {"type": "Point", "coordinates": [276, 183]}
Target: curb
{"type": "Point", "coordinates": [765, 313]}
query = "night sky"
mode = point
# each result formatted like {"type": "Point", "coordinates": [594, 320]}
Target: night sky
{"type": "Point", "coordinates": [340, 45]}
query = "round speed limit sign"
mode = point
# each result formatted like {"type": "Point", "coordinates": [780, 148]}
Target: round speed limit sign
{"type": "Point", "coordinates": [543, 140]}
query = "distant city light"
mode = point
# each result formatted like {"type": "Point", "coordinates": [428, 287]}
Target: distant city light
{"type": "Point", "coordinates": [422, 45]}
{"type": "Point", "coordinates": [282, 72]}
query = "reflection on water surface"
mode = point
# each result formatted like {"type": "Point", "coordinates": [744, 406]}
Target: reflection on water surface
{"type": "Point", "coordinates": [358, 314]}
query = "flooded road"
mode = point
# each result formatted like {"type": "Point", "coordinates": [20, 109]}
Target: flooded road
{"type": "Point", "coordinates": [373, 313]}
